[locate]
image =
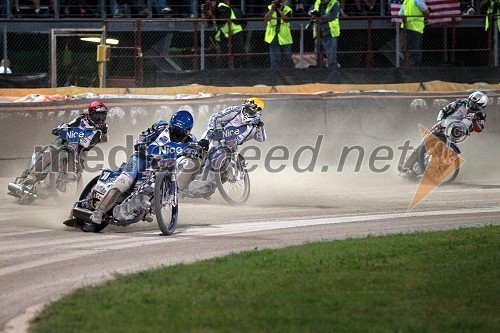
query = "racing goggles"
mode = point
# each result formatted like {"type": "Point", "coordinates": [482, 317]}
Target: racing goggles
{"type": "Point", "coordinates": [98, 117]}
{"type": "Point", "coordinates": [177, 135]}
{"type": "Point", "coordinates": [252, 109]}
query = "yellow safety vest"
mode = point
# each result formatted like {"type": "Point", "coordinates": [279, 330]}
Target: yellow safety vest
{"type": "Point", "coordinates": [488, 12]}
{"type": "Point", "coordinates": [284, 34]}
{"type": "Point", "coordinates": [334, 25]}
{"type": "Point", "coordinates": [235, 28]}
{"type": "Point", "coordinates": [415, 20]}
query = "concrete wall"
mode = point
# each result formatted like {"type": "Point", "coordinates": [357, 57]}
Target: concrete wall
{"type": "Point", "coordinates": [369, 119]}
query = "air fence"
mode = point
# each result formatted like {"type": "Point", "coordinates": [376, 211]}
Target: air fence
{"type": "Point", "coordinates": [142, 53]}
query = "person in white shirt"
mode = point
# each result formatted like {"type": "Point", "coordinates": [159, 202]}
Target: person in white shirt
{"type": "Point", "coordinates": [4, 67]}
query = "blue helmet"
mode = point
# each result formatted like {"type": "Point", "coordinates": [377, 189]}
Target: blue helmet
{"type": "Point", "coordinates": [180, 126]}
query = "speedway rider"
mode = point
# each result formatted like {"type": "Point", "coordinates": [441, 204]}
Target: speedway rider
{"type": "Point", "coordinates": [245, 116]}
{"type": "Point", "coordinates": [94, 118]}
{"type": "Point", "coordinates": [177, 130]}
{"type": "Point", "coordinates": [469, 109]}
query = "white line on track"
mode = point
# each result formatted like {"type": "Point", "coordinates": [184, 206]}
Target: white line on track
{"type": "Point", "coordinates": [102, 243]}
{"type": "Point", "coordinates": [228, 229]}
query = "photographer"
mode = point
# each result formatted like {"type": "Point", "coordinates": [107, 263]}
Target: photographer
{"type": "Point", "coordinates": [278, 34]}
{"type": "Point", "coordinates": [225, 21]}
{"type": "Point", "coordinates": [326, 13]}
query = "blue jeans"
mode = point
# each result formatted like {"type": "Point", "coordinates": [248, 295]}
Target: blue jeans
{"type": "Point", "coordinates": [414, 46]}
{"type": "Point", "coordinates": [329, 46]}
{"type": "Point", "coordinates": [277, 51]}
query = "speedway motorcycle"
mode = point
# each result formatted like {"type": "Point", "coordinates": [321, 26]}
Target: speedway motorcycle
{"type": "Point", "coordinates": [63, 170]}
{"type": "Point", "coordinates": [443, 152]}
{"type": "Point", "coordinates": [231, 175]}
{"type": "Point", "coordinates": [153, 192]}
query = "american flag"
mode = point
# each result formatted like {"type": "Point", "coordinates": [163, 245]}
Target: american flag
{"type": "Point", "coordinates": [440, 12]}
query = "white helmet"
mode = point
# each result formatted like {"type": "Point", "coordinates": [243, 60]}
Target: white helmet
{"type": "Point", "coordinates": [477, 101]}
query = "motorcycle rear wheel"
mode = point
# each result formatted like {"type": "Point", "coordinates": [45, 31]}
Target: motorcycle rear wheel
{"type": "Point", "coordinates": [86, 195]}
{"type": "Point", "coordinates": [435, 175]}
{"type": "Point", "coordinates": [166, 212]}
{"type": "Point", "coordinates": [232, 180]}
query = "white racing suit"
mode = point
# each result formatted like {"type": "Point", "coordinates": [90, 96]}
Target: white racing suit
{"type": "Point", "coordinates": [472, 121]}
{"type": "Point", "coordinates": [229, 117]}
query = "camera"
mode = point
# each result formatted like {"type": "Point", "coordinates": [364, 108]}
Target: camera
{"type": "Point", "coordinates": [315, 13]}
{"type": "Point", "coordinates": [206, 6]}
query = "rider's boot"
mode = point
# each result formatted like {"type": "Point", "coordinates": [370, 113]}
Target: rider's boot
{"type": "Point", "coordinates": [407, 165]}
{"type": "Point", "coordinates": [105, 204]}
{"type": "Point", "coordinates": [203, 184]}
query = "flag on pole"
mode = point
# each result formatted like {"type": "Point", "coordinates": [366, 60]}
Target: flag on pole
{"type": "Point", "coordinates": [395, 7]}
{"type": "Point", "coordinates": [441, 12]}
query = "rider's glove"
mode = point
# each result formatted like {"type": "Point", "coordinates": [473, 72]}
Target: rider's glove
{"type": "Point", "coordinates": [480, 116]}
{"type": "Point", "coordinates": [140, 146]}
{"type": "Point", "coordinates": [204, 143]}
{"type": "Point", "coordinates": [210, 134]}
{"type": "Point", "coordinates": [255, 121]}
{"type": "Point", "coordinates": [260, 124]}
{"type": "Point", "coordinates": [103, 128]}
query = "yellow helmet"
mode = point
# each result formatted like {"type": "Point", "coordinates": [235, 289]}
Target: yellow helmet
{"type": "Point", "coordinates": [251, 108]}
{"type": "Point", "coordinates": [256, 102]}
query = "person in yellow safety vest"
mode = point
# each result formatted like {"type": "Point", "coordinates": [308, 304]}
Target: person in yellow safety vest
{"type": "Point", "coordinates": [328, 13]}
{"type": "Point", "coordinates": [229, 27]}
{"type": "Point", "coordinates": [278, 34]}
{"type": "Point", "coordinates": [416, 11]}
{"type": "Point", "coordinates": [492, 8]}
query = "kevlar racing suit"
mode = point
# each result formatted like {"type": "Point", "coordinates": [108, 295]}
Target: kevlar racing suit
{"type": "Point", "coordinates": [229, 117]}
{"type": "Point", "coordinates": [50, 154]}
{"type": "Point", "coordinates": [157, 134]}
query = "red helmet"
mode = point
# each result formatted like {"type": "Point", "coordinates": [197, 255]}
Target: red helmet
{"type": "Point", "coordinates": [96, 113]}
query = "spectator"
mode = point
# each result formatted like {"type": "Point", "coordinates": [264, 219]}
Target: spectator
{"type": "Point", "coordinates": [492, 7]}
{"type": "Point", "coordinates": [326, 12]}
{"type": "Point", "coordinates": [415, 24]}
{"type": "Point", "coordinates": [278, 34]}
{"type": "Point", "coordinates": [225, 29]}
{"type": "Point", "coordinates": [5, 66]}
{"type": "Point", "coordinates": [136, 8]}
{"type": "Point", "coordinates": [36, 3]}
{"type": "Point", "coordinates": [162, 9]}
{"type": "Point", "coordinates": [300, 7]}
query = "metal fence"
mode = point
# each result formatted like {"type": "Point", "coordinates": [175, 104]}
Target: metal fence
{"type": "Point", "coordinates": [143, 52]}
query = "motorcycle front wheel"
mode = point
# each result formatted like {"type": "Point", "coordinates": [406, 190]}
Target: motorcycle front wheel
{"type": "Point", "coordinates": [232, 180]}
{"type": "Point", "coordinates": [165, 210]}
{"type": "Point", "coordinates": [63, 184]}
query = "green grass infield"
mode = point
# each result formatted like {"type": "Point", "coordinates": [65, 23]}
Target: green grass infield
{"type": "Point", "coordinates": [446, 281]}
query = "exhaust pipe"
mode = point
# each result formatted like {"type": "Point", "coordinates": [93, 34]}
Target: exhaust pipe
{"type": "Point", "coordinates": [19, 191]}
{"type": "Point", "coordinates": [82, 214]}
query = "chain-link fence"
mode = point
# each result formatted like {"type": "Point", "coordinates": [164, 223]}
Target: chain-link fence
{"type": "Point", "coordinates": [144, 52]}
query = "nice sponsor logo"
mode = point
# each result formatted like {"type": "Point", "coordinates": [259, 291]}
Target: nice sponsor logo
{"type": "Point", "coordinates": [442, 163]}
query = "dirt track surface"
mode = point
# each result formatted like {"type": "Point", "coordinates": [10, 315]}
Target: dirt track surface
{"type": "Point", "coordinates": [41, 259]}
